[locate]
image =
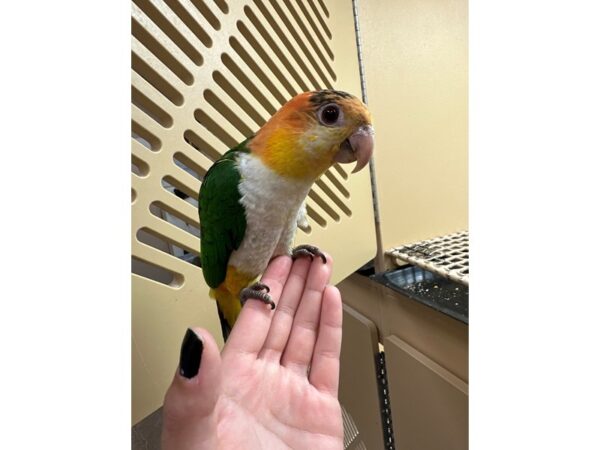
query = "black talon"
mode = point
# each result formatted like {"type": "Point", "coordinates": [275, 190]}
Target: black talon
{"type": "Point", "coordinates": [256, 292]}
{"type": "Point", "coordinates": [301, 252]}
{"type": "Point", "coordinates": [308, 250]}
{"type": "Point", "coordinates": [260, 287]}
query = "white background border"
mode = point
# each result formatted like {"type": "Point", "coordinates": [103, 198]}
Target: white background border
{"type": "Point", "coordinates": [534, 171]}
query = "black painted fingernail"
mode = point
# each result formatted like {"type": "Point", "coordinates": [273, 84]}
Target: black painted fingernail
{"type": "Point", "coordinates": [191, 355]}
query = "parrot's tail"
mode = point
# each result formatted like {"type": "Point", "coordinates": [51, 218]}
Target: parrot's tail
{"type": "Point", "coordinates": [228, 306]}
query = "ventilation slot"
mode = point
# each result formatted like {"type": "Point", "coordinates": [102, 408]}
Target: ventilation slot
{"type": "Point", "coordinates": [207, 13]}
{"type": "Point", "coordinates": [316, 30]}
{"type": "Point", "coordinates": [331, 177]}
{"type": "Point", "coordinates": [180, 190]}
{"type": "Point", "coordinates": [341, 171]}
{"type": "Point", "coordinates": [325, 10]}
{"type": "Point", "coordinates": [320, 19]}
{"type": "Point", "coordinates": [150, 75]}
{"type": "Point", "coordinates": [239, 74]}
{"type": "Point", "coordinates": [269, 40]}
{"type": "Point", "coordinates": [315, 216]}
{"type": "Point", "coordinates": [191, 23]}
{"type": "Point", "coordinates": [156, 273]}
{"type": "Point", "coordinates": [201, 145]}
{"type": "Point", "coordinates": [139, 167]}
{"type": "Point", "coordinates": [266, 59]}
{"type": "Point", "coordinates": [296, 37]}
{"type": "Point", "coordinates": [227, 113]}
{"type": "Point", "coordinates": [133, 195]}
{"type": "Point", "coordinates": [238, 98]}
{"type": "Point", "coordinates": [144, 137]}
{"type": "Point", "coordinates": [256, 69]}
{"type": "Point", "coordinates": [334, 197]}
{"type": "Point", "coordinates": [315, 47]}
{"type": "Point", "coordinates": [189, 166]}
{"type": "Point", "coordinates": [166, 245]}
{"type": "Point", "coordinates": [307, 229]}
{"type": "Point", "coordinates": [203, 119]}
{"type": "Point", "coordinates": [324, 205]}
{"type": "Point", "coordinates": [222, 6]}
{"type": "Point", "coordinates": [167, 27]}
{"type": "Point", "coordinates": [150, 108]}
{"type": "Point", "coordinates": [176, 218]}
{"type": "Point", "coordinates": [160, 52]}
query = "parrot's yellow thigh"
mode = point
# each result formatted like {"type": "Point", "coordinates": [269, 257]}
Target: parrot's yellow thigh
{"type": "Point", "coordinates": [227, 294]}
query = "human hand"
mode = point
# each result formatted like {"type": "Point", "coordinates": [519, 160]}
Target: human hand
{"type": "Point", "coordinates": [275, 384]}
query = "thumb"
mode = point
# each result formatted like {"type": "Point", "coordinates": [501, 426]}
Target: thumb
{"type": "Point", "coordinates": [195, 388]}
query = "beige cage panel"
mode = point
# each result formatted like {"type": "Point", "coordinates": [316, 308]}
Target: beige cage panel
{"type": "Point", "coordinates": [206, 74]}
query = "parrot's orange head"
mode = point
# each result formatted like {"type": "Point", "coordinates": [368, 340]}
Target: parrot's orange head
{"type": "Point", "coordinates": [314, 130]}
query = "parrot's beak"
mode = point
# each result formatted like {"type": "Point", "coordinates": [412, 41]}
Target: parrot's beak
{"type": "Point", "coordinates": [358, 147]}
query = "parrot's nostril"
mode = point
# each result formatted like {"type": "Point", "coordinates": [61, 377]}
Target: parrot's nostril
{"type": "Point", "coordinates": [366, 130]}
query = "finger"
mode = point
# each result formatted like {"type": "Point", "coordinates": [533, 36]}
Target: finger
{"type": "Point", "coordinates": [299, 349]}
{"type": "Point", "coordinates": [325, 365]}
{"type": "Point", "coordinates": [283, 318]}
{"type": "Point", "coordinates": [251, 328]}
{"type": "Point", "coordinates": [195, 386]}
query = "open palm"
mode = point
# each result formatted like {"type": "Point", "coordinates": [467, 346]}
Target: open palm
{"type": "Point", "coordinates": [275, 384]}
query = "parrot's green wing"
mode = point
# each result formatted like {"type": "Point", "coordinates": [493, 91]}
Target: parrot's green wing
{"type": "Point", "coordinates": [222, 216]}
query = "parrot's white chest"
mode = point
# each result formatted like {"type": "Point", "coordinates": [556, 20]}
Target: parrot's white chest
{"type": "Point", "coordinates": [273, 206]}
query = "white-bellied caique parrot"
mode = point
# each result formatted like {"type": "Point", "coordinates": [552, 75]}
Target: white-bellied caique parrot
{"type": "Point", "coordinates": [252, 199]}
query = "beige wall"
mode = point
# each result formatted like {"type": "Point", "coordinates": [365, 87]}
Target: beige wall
{"type": "Point", "coordinates": [415, 54]}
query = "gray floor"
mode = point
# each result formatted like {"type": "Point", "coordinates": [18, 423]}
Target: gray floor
{"type": "Point", "coordinates": [146, 434]}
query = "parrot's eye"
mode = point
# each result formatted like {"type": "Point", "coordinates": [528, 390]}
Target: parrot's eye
{"type": "Point", "coordinates": [330, 114]}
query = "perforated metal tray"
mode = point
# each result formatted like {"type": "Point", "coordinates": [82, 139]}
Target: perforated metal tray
{"type": "Point", "coordinates": [447, 256]}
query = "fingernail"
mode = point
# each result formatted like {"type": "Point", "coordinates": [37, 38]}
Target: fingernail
{"type": "Point", "coordinates": [191, 355]}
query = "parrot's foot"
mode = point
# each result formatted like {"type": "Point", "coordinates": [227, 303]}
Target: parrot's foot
{"type": "Point", "coordinates": [258, 291]}
{"type": "Point", "coordinates": [308, 250]}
